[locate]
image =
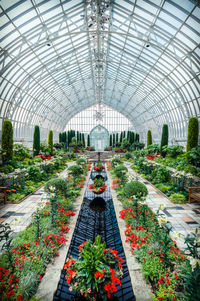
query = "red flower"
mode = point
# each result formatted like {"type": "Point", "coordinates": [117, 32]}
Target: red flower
{"type": "Point", "coordinates": [20, 298]}
{"type": "Point", "coordinates": [20, 268]}
{"type": "Point", "coordinates": [40, 277]}
{"type": "Point", "coordinates": [150, 252]}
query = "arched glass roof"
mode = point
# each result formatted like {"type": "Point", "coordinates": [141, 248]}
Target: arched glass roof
{"type": "Point", "coordinates": [140, 57]}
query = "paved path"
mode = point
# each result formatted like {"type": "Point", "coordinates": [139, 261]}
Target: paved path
{"type": "Point", "coordinates": [184, 218]}
{"type": "Point", "coordinates": [18, 216]}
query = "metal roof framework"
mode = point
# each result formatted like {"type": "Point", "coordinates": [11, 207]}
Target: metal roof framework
{"type": "Point", "coordinates": [57, 59]}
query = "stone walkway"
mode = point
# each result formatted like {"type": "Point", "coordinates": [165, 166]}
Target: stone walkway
{"type": "Point", "coordinates": [184, 218]}
{"type": "Point", "coordinates": [18, 216]}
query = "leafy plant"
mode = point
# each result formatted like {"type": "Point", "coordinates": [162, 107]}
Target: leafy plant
{"type": "Point", "coordinates": [135, 189]}
{"type": "Point", "coordinates": [7, 140]}
{"type": "Point", "coordinates": [96, 272]}
{"type": "Point", "coordinates": [128, 156]}
{"type": "Point", "coordinates": [76, 171]}
{"type": "Point", "coordinates": [6, 236]}
{"type": "Point", "coordinates": [20, 152]}
{"type": "Point", "coordinates": [193, 156]}
{"type": "Point", "coordinates": [34, 173]}
{"type": "Point", "coordinates": [178, 198]}
{"type": "Point", "coordinates": [153, 149]}
{"type": "Point", "coordinates": [126, 144]}
{"type": "Point", "coordinates": [81, 161]}
{"type": "Point", "coordinates": [116, 161]}
{"type": "Point", "coordinates": [58, 185]}
{"type": "Point", "coordinates": [193, 133]}
{"type": "Point", "coordinates": [120, 171]}
{"type": "Point", "coordinates": [173, 151]}
{"type": "Point", "coordinates": [36, 140]}
{"type": "Point", "coordinates": [160, 174]}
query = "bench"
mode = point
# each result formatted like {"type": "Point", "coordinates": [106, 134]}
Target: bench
{"type": "Point", "coordinates": [3, 196]}
{"type": "Point", "coordinates": [194, 193]}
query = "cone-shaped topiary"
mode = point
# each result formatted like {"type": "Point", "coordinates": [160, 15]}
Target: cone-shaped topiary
{"type": "Point", "coordinates": [7, 140]}
{"type": "Point", "coordinates": [88, 140]}
{"type": "Point", "coordinates": [193, 133]}
{"type": "Point", "coordinates": [60, 137]}
{"type": "Point", "coordinates": [111, 140]}
{"type": "Point", "coordinates": [164, 139]}
{"type": "Point", "coordinates": [36, 140]}
{"type": "Point", "coordinates": [149, 138]}
{"type": "Point", "coordinates": [50, 140]}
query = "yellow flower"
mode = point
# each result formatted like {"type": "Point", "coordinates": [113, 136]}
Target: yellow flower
{"type": "Point", "coordinates": [19, 185]}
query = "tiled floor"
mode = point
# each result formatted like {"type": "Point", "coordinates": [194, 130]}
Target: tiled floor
{"type": "Point", "coordinates": [183, 218]}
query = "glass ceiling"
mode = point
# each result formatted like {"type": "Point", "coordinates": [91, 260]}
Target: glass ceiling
{"type": "Point", "coordinates": [140, 57]}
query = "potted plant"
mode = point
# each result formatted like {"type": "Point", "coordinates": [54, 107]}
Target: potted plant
{"type": "Point", "coordinates": [96, 272]}
{"type": "Point", "coordinates": [99, 167]}
{"type": "Point", "coordinates": [98, 186]}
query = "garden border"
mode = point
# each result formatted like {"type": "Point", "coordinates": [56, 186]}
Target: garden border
{"type": "Point", "coordinates": [141, 288]}
{"type": "Point", "coordinates": [49, 282]}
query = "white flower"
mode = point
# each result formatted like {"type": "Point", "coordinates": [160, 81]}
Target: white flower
{"type": "Point", "coordinates": [194, 262]}
{"type": "Point", "coordinates": [162, 207]}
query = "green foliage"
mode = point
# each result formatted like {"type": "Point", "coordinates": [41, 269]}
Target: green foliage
{"type": "Point", "coordinates": [6, 236]}
{"type": "Point", "coordinates": [93, 269]}
{"type": "Point", "coordinates": [151, 268]}
{"type": "Point", "coordinates": [57, 184]}
{"type": "Point", "coordinates": [20, 152]}
{"type": "Point", "coordinates": [75, 171]}
{"type": "Point", "coordinates": [149, 138]}
{"type": "Point", "coordinates": [28, 284]}
{"type": "Point", "coordinates": [36, 140]}
{"type": "Point", "coordinates": [135, 188]}
{"type": "Point", "coordinates": [34, 173]}
{"type": "Point", "coordinates": [126, 144]}
{"type": "Point", "coordinates": [128, 156]}
{"type": "Point", "coordinates": [110, 140]}
{"type": "Point", "coordinates": [113, 139]}
{"type": "Point", "coordinates": [120, 171]}
{"type": "Point", "coordinates": [178, 198]}
{"type": "Point", "coordinates": [153, 149]}
{"type": "Point", "coordinates": [193, 133]}
{"type": "Point", "coordinates": [116, 161]}
{"type": "Point", "coordinates": [173, 151]}
{"type": "Point", "coordinates": [45, 148]}
{"type": "Point", "coordinates": [7, 140]}
{"type": "Point", "coordinates": [37, 223]}
{"type": "Point", "coordinates": [163, 188]}
{"type": "Point", "coordinates": [88, 140]}
{"type": "Point", "coordinates": [81, 161]}
{"type": "Point", "coordinates": [50, 141]}
{"type": "Point", "coordinates": [164, 139]}
{"type": "Point", "coordinates": [193, 156]}
{"type": "Point", "coordinates": [160, 174]}
{"type": "Point", "coordinates": [98, 182]}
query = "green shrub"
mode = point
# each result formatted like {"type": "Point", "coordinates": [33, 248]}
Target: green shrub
{"type": "Point", "coordinates": [135, 188]}
{"type": "Point", "coordinates": [81, 161]}
{"type": "Point", "coordinates": [193, 133]}
{"type": "Point", "coordinates": [88, 140]}
{"type": "Point", "coordinates": [163, 188]}
{"type": "Point", "coordinates": [160, 174]}
{"type": "Point", "coordinates": [128, 156]}
{"type": "Point", "coordinates": [126, 144]}
{"type": "Point", "coordinates": [7, 140]}
{"type": "Point", "coordinates": [193, 156]}
{"type": "Point", "coordinates": [20, 152]}
{"type": "Point", "coordinates": [34, 173]}
{"type": "Point", "coordinates": [164, 139]}
{"type": "Point", "coordinates": [149, 138]}
{"type": "Point", "coordinates": [120, 171]}
{"type": "Point", "coordinates": [36, 140]}
{"type": "Point", "coordinates": [153, 149]}
{"type": "Point", "coordinates": [59, 184]}
{"type": "Point", "coordinates": [75, 171]}
{"type": "Point", "coordinates": [173, 151]}
{"type": "Point", "coordinates": [50, 141]}
{"type": "Point", "coordinates": [44, 148]}
{"type": "Point", "coordinates": [178, 198]}
{"type": "Point", "coordinates": [116, 161]}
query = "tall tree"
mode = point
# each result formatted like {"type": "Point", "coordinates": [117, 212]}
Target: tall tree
{"type": "Point", "coordinates": [7, 140]}
{"type": "Point", "coordinates": [88, 140]}
{"type": "Point", "coordinates": [193, 133]}
{"type": "Point", "coordinates": [113, 139]}
{"type": "Point", "coordinates": [50, 141]}
{"type": "Point", "coordinates": [164, 139]}
{"type": "Point", "coordinates": [149, 138]}
{"type": "Point", "coordinates": [36, 140]}
{"type": "Point", "coordinates": [110, 139]}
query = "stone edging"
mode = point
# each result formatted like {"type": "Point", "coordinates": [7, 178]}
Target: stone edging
{"type": "Point", "coordinates": [49, 283]}
{"type": "Point", "coordinates": [141, 288]}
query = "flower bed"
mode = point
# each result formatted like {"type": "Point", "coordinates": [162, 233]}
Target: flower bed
{"type": "Point", "coordinates": [97, 190]}
{"type": "Point", "coordinates": [172, 274]}
{"type": "Point", "coordinates": [96, 278]}
{"type": "Point", "coordinates": [99, 167]}
{"type": "Point", "coordinates": [25, 257]}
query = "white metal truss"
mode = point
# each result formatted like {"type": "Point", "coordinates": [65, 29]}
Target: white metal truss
{"type": "Point", "coordinates": [59, 57]}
